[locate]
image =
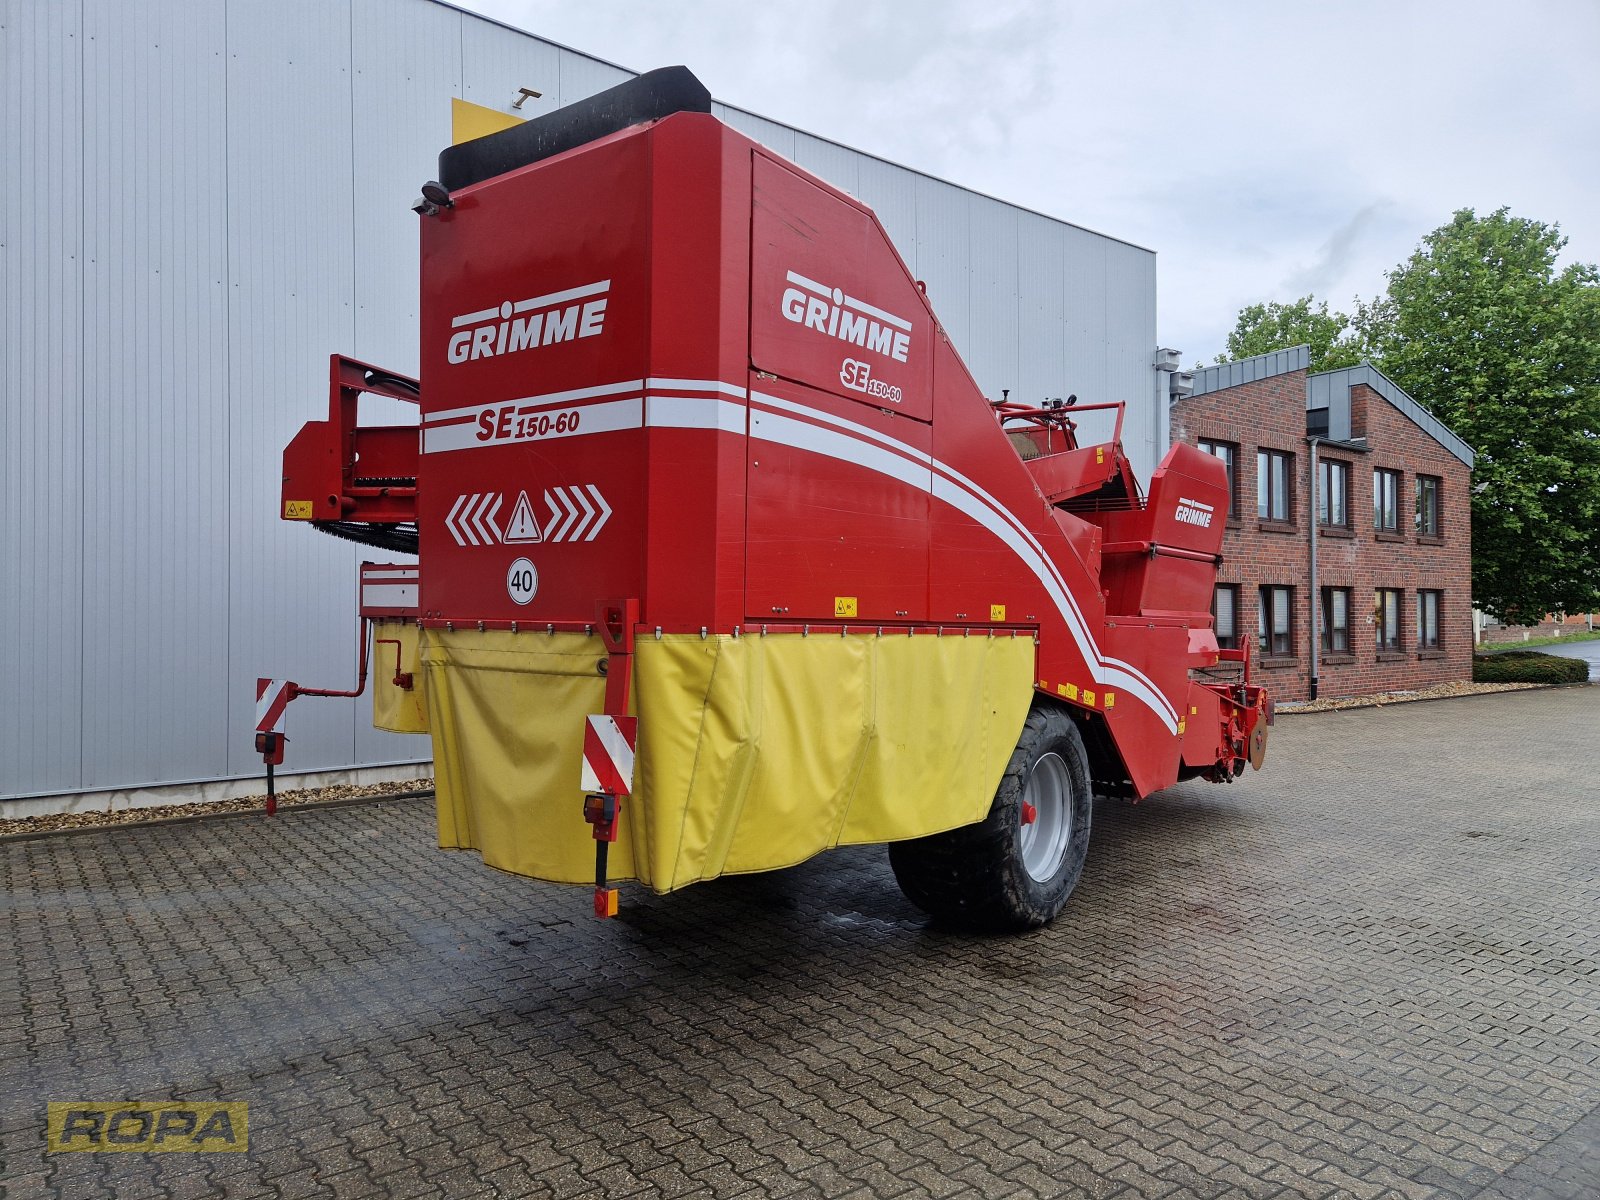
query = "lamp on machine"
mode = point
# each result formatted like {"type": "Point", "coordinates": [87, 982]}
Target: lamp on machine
{"type": "Point", "coordinates": [435, 197]}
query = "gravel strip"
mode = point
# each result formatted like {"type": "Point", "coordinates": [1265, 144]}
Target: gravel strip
{"type": "Point", "coordinates": [294, 798]}
{"type": "Point", "coordinates": [1439, 691]}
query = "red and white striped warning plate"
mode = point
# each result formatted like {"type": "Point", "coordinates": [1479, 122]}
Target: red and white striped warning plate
{"type": "Point", "coordinates": [272, 697]}
{"type": "Point", "coordinates": [608, 744]}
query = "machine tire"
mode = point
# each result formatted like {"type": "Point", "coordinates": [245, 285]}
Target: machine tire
{"type": "Point", "coordinates": [995, 875]}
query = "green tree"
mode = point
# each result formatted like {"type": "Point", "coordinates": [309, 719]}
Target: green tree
{"type": "Point", "coordinates": [1263, 328]}
{"type": "Point", "coordinates": [1480, 326]}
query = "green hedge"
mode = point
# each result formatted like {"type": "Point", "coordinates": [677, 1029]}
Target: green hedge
{"type": "Point", "coordinates": [1528, 666]}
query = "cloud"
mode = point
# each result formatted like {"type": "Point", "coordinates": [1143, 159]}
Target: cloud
{"type": "Point", "coordinates": [1262, 150]}
{"type": "Point", "coordinates": [1334, 255]}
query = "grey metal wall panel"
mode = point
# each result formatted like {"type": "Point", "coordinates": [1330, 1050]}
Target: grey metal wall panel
{"type": "Point", "coordinates": [496, 61]}
{"type": "Point", "coordinates": [1041, 310]}
{"type": "Point", "coordinates": [291, 302]}
{"type": "Point", "coordinates": [769, 133]}
{"type": "Point", "coordinates": [250, 169]}
{"type": "Point", "coordinates": [155, 535]}
{"type": "Point", "coordinates": [407, 62]}
{"type": "Point", "coordinates": [41, 422]}
{"type": "Point", "coordinates": [1249, 370]}
{"type": "Point", "coordinates": [584, 76]}
{"type": "Point", "coordinates": [891, 191]}
{"type": "Point", "coordinates": [1085, 323]}
{"type": "Point", "coordinates": [408, 59]}
{"type": "Point", "coordinates": [829, 161]}
{"type": "Point", "coordinates": [944, 253]}
{"type": "Point", "coordinates": [993, 301]}
{"type": "Point", "coordinates": [1128, 374]}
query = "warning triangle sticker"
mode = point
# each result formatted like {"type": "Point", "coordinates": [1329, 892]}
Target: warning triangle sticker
{"type": "Point", "coordinates": [523, 526]}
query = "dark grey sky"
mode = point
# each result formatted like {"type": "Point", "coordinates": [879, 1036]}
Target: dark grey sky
{"type": "Point", "coordinates": [1263, 149]}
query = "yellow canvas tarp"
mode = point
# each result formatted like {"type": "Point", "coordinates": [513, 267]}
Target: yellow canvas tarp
{"type": "Point", "coordinates": [754, 753]}
{"type": "Point", "coordinates": [395, 708]}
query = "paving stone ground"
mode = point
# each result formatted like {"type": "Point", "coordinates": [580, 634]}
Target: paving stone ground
{"type": "Point", "coordinates": [1371, 970]}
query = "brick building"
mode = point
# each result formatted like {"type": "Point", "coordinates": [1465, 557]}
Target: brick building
{"type": "Point", "coordinates": [1381, 599]}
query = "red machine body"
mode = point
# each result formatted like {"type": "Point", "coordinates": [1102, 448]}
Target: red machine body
{"type": "Point", "coordinates": [669, 372]}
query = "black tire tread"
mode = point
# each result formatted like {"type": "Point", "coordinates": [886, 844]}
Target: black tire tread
{"type": "Point", "coordinates": [966, 877]}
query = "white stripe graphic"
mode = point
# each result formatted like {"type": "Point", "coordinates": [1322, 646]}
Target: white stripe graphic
{"type": "Point", "coordinates": [607, 417]}
{"type": "Point", "coordinates": [549, 399]}
{"type": "Point", "coordinates": [546, 301]}
{"type": "Point", "coordinates": [694, 412]}
{"type": "Point", "coordinates": [693, 385]}
{"type": "Point", "coordinates": [811, 285]}
{"type": "Point", "coordinates": [949, 485]}
{"type": "Point", "coordinates": [834, 437]}
{"type": "Point", "coordinates": [554, 298]}
{"type": "Point", "coordinates": [474, 318]}
{"type": "Point", "coordinates": [389, 595]}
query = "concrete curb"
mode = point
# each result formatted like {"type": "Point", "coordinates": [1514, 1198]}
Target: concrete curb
{"type": "Point", "coordinates": [190, 818]}
{"type": "Point", "coordinates": [1537, 687]}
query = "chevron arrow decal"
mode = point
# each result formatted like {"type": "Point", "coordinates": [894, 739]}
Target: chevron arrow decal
{"type": "Point", "coordinates": [577, 513]}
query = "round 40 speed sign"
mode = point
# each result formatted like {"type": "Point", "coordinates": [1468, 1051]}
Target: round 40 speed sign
{"type": "Point", "coordinates": [522, 581]}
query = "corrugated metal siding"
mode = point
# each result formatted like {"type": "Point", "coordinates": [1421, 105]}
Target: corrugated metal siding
{"type": "Point", "coordinates": [1248, 370]}
{"type": "Point", "coordinates": [1331, 390]}
{"type": "Point", "coordinates": [155, 541]}
{"type": "Point", "coordinates": [291, 301]}
{"type": "Point", "coordinates": [41, 417]}
{"type": "Point", "coordinates": [249, 171]}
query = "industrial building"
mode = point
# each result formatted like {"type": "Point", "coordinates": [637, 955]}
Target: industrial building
{"type": "Point", "coordinates": [1348, 553]}
{"type": "Point", "coordinates": [218, 197]}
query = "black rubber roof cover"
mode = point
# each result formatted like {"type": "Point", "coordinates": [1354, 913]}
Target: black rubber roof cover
{"type": "Point", "coordinates": [653, 95]}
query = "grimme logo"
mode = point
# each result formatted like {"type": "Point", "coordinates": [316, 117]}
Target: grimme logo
{"type": "Point", "coordinates": [830, 311]}
{"type": "Point", "coordinates": [147, 1126]}
{"type": "Point", "coordinates": [528, 324]}
{"type": "Point", "coordinates": [1192, 512]}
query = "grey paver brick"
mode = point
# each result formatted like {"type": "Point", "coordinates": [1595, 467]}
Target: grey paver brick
{"type": "Point", "coordinates": [1372, 970]}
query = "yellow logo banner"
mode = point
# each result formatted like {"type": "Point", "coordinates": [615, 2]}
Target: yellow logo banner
{"type": "Point", "coordinates": [147, 1126]}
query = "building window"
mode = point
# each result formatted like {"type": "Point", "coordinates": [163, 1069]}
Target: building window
{"type": "Point", "coordinates": [1334, 620]}
{"type": "Point", "coordinates": [1333, 493]}
{"type": "Point", "coordinates": [1386, 501]}
{"type": "Point", "coordinates": [1428, 505]}
{"type": "Point", "coordinates": [1428, 620]}
{"type": "Point", "coordinates": [1225, 615]}
{"type": "Point", "coordinates": [1229, 454]}
{"type": "Point", "coordinates": [1273, 476]}
{"type": "Point", "coordinates": [1276, 624]}
{"type": "Point", "coordinates": [1386, 617]}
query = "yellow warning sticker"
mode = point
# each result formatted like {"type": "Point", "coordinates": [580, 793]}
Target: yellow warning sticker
{"type": "Point", "coordinates": [997, 612]}
{"type": "Point", "coordinates": [1069, 690]}
{"type": "Point", "coordinates": [1110, 700]}
{"type": "Point", "coordinates": [844, 606]}
{"type": "Point", "coordinates": [1181, 724]}
{"type": "Point", "coordinates": [1099, 454]}
{"type": "Point", "coordinates": [297, 510]}
{"type": "Point", "coordinates": [1088, 697]}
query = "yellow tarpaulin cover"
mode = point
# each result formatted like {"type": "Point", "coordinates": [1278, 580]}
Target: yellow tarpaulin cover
{"type": "Point", "coordinates": [754, 753]}
{"type": "Point", "coordinates": [394, 708]}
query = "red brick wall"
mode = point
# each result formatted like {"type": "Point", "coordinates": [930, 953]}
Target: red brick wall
{"type": "Point", "coordinates": [1271, 414]}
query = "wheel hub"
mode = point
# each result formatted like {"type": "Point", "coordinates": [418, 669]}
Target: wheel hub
{"type": "Point", "coordinates": [1048, 797]}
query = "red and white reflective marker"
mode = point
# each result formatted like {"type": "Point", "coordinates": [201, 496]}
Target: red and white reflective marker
{"type": "Point", "coordinates": [608, 747]}
{"type": "Point", "coordinates": [272, 698]}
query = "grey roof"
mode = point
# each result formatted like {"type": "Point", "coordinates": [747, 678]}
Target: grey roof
{"type": "Point", "coordinates": [1248, 370]}
{"type": "Point", "coordinates": [1331, 390]}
